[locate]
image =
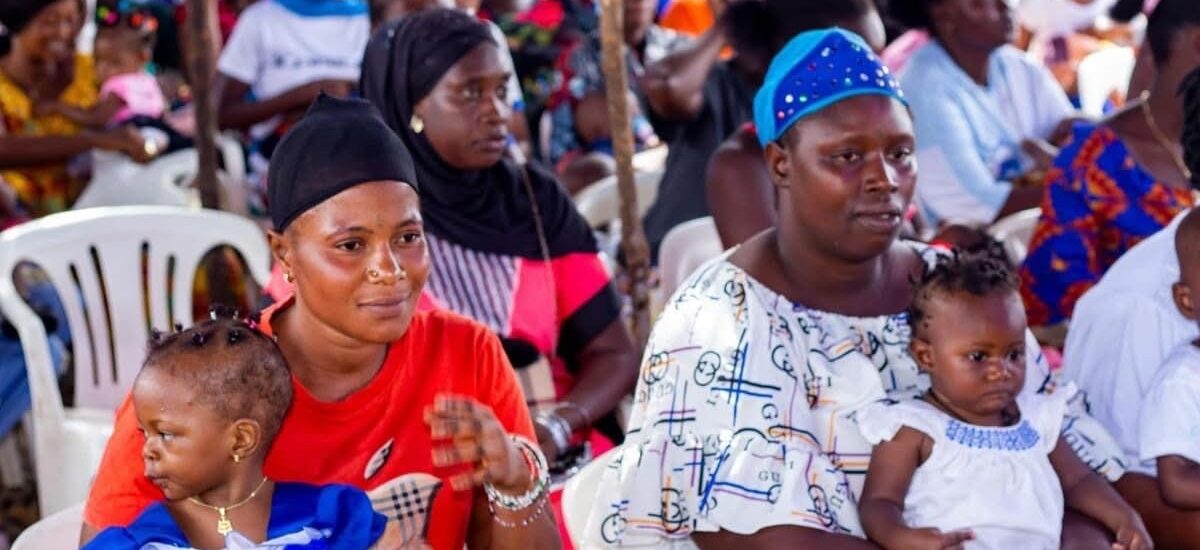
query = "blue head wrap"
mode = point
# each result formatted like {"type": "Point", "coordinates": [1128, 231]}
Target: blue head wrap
{"type": "Point", "coordinates": [815, 70]}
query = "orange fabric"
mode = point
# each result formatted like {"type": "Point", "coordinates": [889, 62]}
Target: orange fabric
{"type": "Point", "coordinates": [692, 17]}
{"type": "Point", "coordinates": [323, 443]}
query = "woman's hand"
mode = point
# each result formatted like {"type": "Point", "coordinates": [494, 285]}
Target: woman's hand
{"type": "Point", "coordinates": [127, 140]}
{"type": "Point", "coordinates": [931, 539]}
{"type": "Point", "coordinates": [468, 433]}
{"type": "Point", "coordinates": [1132, 535]}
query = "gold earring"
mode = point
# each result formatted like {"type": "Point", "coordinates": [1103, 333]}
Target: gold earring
{"type": "Point", "coordinates": [237, 458]}
{"type": "Point", "coordinates": [401, 273]}
{"type": "Point", "coordinates": [289, 277]}
{"type": "Point", "coordinates": [417, 124]}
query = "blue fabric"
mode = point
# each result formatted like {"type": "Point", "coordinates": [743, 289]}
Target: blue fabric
{"type": "Point", "coordinates": [15, 399]}
{"type": "Point", "coordinates": [342, 511]}
{"type": "Point", "coordinates": [815, 70]}
{"type": "Point", "coordinates": [325, 8]}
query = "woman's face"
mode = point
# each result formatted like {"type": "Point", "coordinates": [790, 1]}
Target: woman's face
{"type": "Point", "coordinates": [359, 268]}
{"type": "Point", "coordinates": [984, 24]}
{"type": "Point", "coordinates": [848, 173]}
{"type": "Point", "coordinates": [50, 36]}
{"type": "Point", "coordinates": [466, 115]}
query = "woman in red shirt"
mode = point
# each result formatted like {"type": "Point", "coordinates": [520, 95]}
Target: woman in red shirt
{"type": "Point", "coordinates": [420, 409]}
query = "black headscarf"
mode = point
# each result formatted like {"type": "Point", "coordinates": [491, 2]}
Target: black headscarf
{"type": "Point", "coordinates": [338, 144]}
{"type": "Point", "coordinates": [487, 210]}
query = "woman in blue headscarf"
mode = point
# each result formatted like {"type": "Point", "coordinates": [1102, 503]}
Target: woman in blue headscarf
{"type": "Point", "coordinates": [742, 432]}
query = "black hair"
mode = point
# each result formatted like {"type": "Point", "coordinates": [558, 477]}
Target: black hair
{"type": "Point", "coordinates": [15, 15]}
{"type": "Point", "coordinates": [978, 271]}
{"type": "Point", "coordinates": [1189, 90]}
{"type": "Point", "coordinates": [912, 14]}
{"type": "Point", "coordinates": [1125, 10]}
{"type": "Point", "coordinates": [232, 367]}
{"type": "Point", "coordinates": [1169, 18]}
{"type": "Point", "coordinates": [763, 28]}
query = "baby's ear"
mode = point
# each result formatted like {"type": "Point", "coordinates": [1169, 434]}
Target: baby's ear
{"type": "Point", "coordinates": [1184, 301]}
{"type": "Point", "coordinates": [921, 352]}
{"type": "Point", "coordinates": [247, 437]}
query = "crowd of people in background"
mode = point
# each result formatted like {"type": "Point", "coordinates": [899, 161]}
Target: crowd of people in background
{"type": "Point", "coordinates": [445, 341]}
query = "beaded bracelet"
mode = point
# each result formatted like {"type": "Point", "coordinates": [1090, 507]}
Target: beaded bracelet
{"type": "Point", "coordinates": [541, 480]}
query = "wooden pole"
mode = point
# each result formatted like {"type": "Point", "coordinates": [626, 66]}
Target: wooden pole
{"type": "Point", "coordinates": [201, 16]}
{"type": "Point", "coordinates": [633, 238]}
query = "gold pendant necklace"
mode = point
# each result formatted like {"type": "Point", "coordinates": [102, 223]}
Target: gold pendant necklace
{"type": "Point", "coordinates": [1163, 140]}
{"type": "Point", "coordinates": [224, 526]}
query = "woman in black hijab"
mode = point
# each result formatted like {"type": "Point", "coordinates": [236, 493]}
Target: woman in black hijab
{"type": "Point", "coordinates": [508, 247]}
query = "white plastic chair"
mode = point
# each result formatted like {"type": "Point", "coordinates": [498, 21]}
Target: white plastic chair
{"type": "Point", "coordinates": [118, 181]}
{"type": "Point", "coordinates": [94, 259]}
{"type": "Point", "coordinates": [600, 202]}
{"type": "Point", "coordinates": [684, 249]}
{"type": "Point", "coordinates": [60, 530]}
{"type": "Point", "coordinates": [1015, 231]}
{"type": "Point", "coordinates": [579, 495]}
{"type": "Point", "coordinates": [1101, 74]}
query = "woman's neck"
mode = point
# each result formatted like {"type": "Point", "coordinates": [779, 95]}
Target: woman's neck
{"type": "Point", "coordinates": [329, 364]}
{"type": "Point", "coordinates": [973, 61]}
{"type": "Point", "coordinates": [807, 274]}
{"type": "Point", "coordinates": [246, 497]}
{"type": "Point", "coordinates": [1165, 104]}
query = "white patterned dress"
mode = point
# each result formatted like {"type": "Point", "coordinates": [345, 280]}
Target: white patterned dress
{"type": "Point", "coordinates": [742, 416]}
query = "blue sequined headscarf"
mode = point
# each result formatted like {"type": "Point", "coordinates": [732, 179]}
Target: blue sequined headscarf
{"type": "Point", "coordinates": [815, 70]}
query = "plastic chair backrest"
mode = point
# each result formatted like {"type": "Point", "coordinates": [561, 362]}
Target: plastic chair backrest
{"type": "Point", "coordinates": [1102, 73]}
{"type": "Point", "coordinates": [600, 202]}
{"type": "Point", "coordinates": [1015, 231]}
{"type": "Point", "coordinates": [119, 271]}
{"type": "Point", "coordinates": [684, 249]}
{"type": "Point", "coordinates": [59, 530]}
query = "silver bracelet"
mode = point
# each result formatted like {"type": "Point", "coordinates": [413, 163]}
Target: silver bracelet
{"type": "Point", "coordinates": [539, 488]}
{"type": "Point", "coordinates": [559, 428]}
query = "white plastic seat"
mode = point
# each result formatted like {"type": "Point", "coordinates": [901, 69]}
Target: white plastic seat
{"type": "Point", "coordinates": [600, 202]}
{"type": "Point", "coordinates": [684, 249]}
{"type": "Point", "coordinates": [1102, 73]}
{"type": "Point", "coordinates": [1015, 231]}
{"type": "Point", "coordinates": [166, 181]}
{"type": "Point", "coordinates": [57, 531]}
{"type": "Point", "coordinates": [94, 258]}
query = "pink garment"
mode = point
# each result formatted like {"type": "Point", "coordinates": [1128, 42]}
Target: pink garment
{"type": "Point", "coordinates": [141, 95]}
{"type": "Point", "coordinates": [896, 55]}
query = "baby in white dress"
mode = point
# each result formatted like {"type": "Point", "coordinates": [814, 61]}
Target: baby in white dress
{"type": "Point", "coordinates": [969, 464]}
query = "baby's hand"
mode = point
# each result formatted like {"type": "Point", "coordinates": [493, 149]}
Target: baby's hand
{"type": "Point", "coordinates": [933, 539]}
{"type": "Point", "coordinates": [1132, 535]}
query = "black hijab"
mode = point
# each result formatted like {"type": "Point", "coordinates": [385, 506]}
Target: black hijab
{"type": "Point", "coordinates": [487, 210]}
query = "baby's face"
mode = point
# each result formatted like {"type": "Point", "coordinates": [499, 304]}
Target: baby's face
{"type": "Point", "coordinates": [977, 352]}
{"type": "Point", "coordinates": [113, 58]}
{"type": "Point", "coordinates": [187, 446]}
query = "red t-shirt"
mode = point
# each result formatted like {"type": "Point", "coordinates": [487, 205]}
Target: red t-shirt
{"type": "Point", "coordinates": [375, 439]}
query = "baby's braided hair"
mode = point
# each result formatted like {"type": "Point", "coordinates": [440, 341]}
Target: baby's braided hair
{"type": "Point", "coordinates": [978, 271]}
{"type": "Point", "coordinates": [229, 365]}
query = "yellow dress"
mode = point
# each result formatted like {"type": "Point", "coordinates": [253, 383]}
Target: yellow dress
{"type": "Point", "coordinates": [47, 188]}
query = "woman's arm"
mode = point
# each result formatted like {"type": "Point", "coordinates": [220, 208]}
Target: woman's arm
{"type": "Point", "coordinates": [740, 193]}
{"type": "Point", "coordinates": [1179, 482]}
{"type": "Point", "coordinates": [608, 373]}
{"type": "Point", "coordinates": [96, 117]}
{"type": "Point", "coordinates": [674, 85]}
{"type": "Point", "coordinates": [234, 110]}
{"type": "Point", "coordinates": [486, 533]}
{"type": "Point", "coordinates": [1089, 494]}
{"type": "Point", "coordinates": [784, 536]}
{"type": "Point", "coordinates": [20, 151]}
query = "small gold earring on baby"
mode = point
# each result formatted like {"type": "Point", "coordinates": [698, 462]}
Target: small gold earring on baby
{"type": "Point", "coordinates": [417, 124]}
{"type": "Point", "coordinates": [237, 458]}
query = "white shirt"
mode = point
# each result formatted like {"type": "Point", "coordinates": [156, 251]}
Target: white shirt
{"type": "Point", "coordinates": [274, 50]}
{"type": "Point", "coordinates": [969, 136]}
{"type": "Point", "coordinates": [1120, 333]}
{"type": "Point", "coordinates": [1170, 417]}
{"type": "Point", "coordinates": [995, 481]}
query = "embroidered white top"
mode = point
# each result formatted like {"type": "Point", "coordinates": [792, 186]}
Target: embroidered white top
{"type": "Point", "coordinates": [995, 481]}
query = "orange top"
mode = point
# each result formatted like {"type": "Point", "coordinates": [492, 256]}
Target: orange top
{"type": "Point", "coordinates": [375, 439]}
{"type": "Point", "coordinates": [692, 17]}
